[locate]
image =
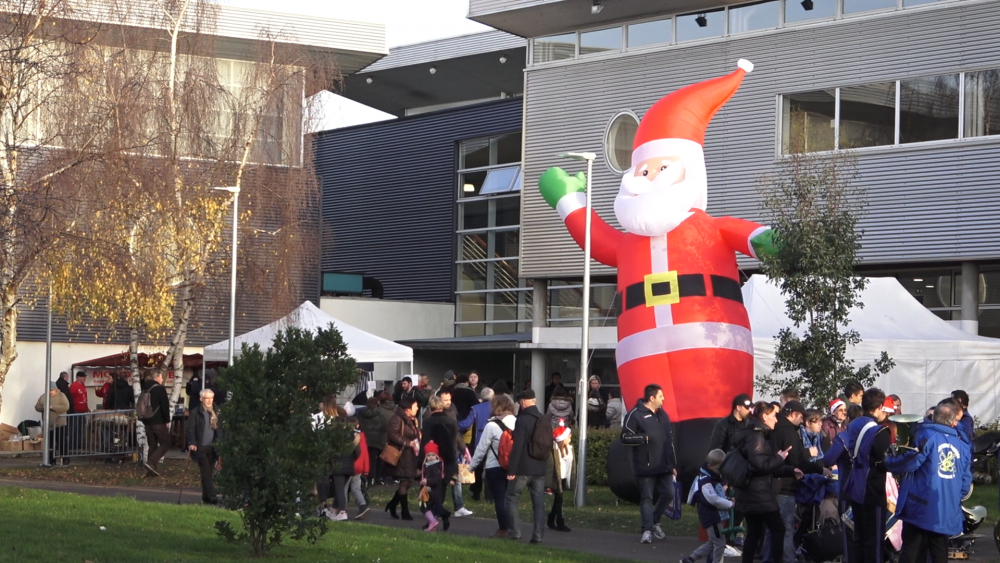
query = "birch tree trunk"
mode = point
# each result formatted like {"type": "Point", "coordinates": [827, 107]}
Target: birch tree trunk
{"type": "Point", "coordinates": [140, 429]}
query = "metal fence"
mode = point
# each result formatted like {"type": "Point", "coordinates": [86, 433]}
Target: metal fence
{"type": "Point", "coordinates": [97, 434]}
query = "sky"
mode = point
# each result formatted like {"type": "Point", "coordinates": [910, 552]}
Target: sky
{"type": "Point", "coordinates": [406, 22]}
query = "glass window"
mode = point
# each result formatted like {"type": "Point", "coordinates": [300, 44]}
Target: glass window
{"type": "Point", "coordinates": [471, 330]}
{"type": "Point", "coordinates": [909, 3]}
{"type": "Point", "coordinates": [867, 115]}
{"type": "Point", "coordinates": [928, 109]}
{"type": "Point", "coordinates": [505, 244]}
{"type": "Point", "coordinates": [855, 6]}
{"type": "Point", "coordinates": [474, 153]}
{"type": "Point", "coordinates": [508, 148]}
{"type": "Point", "coordinates": [753, 16]}
{"type": "Point", "coordinates": [554, 48]}
{"type": "Point", "coordinates": [796, 11]}
{"type": "Point", "coordinates": [518, 181]}
{"type": "Point", "coordinates": [472, 276]}
{"type": "Point", "coordinates": [472, 246]}
{"type": "Point", "coordinates": [650, 33]}
{"type": "Point", "coordinates": [982, 103]}
{"type": "Point", "coordinates": [499, 180]}
{"type": "Point", "coordinates": [508, 211]}
{"type": "Point", "coordinates": [505, 274]}
{"type": "Point", "coordinates": [932, 288]}
{"type": "Point", "coordinates": [989, 287]}
{"type": "Point", "coordinates": [471, 183]}
{"type": "Point", "coordinates": [505, 305]}
{"type": "Point", "coordinates": [702, 25]}
{"type": "Point", "coordinates": [474, 215]}
{"type": "Point", "coordinates": [618, 142]}
{"type": "Point", "coordinates": [472, 307]}
{"type": "Point", "coordinates": [808, 121]}
{"type": "Point", "coordinates": [989, 323]}
{"type": "Point", "coordinates": [601, 41]}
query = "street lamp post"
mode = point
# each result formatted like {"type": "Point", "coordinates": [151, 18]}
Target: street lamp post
{"type": "Point", "coordinates": [582, 385]}
{"type": "Point", "coordinates": [235, 190]}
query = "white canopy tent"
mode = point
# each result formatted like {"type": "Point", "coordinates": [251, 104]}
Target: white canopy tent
{"type": "Point", "coordinates": [932, 356]}
{"type": "Point", "coordinates": [362, 346]}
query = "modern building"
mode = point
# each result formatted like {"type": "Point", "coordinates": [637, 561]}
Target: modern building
{"type": "Point", "coordinates": [235, 39]}
{"type": "Point", "coordinates": [911, 86]}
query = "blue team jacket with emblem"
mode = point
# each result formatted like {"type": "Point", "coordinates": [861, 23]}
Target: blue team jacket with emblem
{"type": "Point", "coordinates": [937, 477]}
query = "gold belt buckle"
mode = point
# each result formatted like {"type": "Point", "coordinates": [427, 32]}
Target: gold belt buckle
{"type": "Point", "coordinates": [669, 298]}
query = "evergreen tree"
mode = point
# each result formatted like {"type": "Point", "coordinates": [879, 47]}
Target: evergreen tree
{"type": "Point", "coordinates": [272, 457]}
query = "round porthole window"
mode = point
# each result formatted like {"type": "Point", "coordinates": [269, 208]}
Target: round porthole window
{"type": "Point", "coordinates": [618, 141]}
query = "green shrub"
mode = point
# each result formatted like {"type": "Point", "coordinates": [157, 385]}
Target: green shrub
{"type": "Point", "coordinates": [598, 444]}
{"type": "Point", "coordinates": [272, 456]}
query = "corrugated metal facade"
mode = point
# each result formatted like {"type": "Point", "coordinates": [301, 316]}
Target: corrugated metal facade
{"type": "Point", "coordinates": [931, 202]}
{"type": "Point", "coordinates": [389, 194]}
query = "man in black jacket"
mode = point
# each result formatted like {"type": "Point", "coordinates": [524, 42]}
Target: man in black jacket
{"type": "Point", "coordinates": [523, 470]}
{"type": "Point", "coordinates": [157, 426]}
{"type": "Point", "coordinates": [647, 431]}
{"type": "Point", "coordinates": [786, 437]}
{"type": "Point", "coordinates": [726, 428]}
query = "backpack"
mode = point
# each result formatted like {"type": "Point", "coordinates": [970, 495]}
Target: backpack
{"type": "Point", "coordinates": [144, 406]}
{"type": "Point", "coordinates": [736, 470]}
{"type": "Point", "coordinates": [540, 446]}
{"type": "Point", "coordinates": [505, 446]}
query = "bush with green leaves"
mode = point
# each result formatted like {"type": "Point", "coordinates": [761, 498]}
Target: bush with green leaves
{"type": "Point", "coordinates": [272, 457]}
{"type": "Point", "coordinates": [598, 447]}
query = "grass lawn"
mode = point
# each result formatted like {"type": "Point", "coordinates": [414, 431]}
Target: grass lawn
{"type": "Point", "coordinates": [41, 526]}
{"type": "Point", "coordinates": [601, 512]}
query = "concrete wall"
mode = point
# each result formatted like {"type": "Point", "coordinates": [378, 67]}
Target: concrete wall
{"type": "Point", "coordinates": [394, 320]}
{"type": "Point", "coordinates": [25, 381]}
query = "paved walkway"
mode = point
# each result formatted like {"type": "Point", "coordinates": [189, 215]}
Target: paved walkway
{"type": "Point", "coordinates": [609, 544]}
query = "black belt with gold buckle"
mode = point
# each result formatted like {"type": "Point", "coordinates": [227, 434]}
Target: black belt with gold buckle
{"type": "Point", "coordinates": [688, 285]}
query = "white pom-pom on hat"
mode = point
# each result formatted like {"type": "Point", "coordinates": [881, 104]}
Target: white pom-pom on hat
{"type": "Point", "coordinates": [746, 65]}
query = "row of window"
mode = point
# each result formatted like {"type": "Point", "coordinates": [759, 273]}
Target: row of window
{"type": "Point", "coordinates": [953, 106]}
{"type": "Point", "coordinates": [730, 20]}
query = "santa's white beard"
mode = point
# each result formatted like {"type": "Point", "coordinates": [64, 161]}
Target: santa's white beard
{"type": "Point", "coordinates": [654, 208]}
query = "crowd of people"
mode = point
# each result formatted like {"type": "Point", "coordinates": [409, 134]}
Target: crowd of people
{"type": "Point", "coordinates": [462, 433]}
{"type": "Point", "coordinates": [796, 469]}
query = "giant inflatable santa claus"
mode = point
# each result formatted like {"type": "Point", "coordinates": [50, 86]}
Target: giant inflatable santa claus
{"type": "Point", "coordinates": [682, 323]}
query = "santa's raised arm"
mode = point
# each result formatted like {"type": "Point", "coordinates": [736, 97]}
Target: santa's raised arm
{"type": "Point", "coordinates": [682, 323]}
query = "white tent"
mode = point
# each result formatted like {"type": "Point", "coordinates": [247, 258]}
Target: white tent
{"type": "Point", "coordinates": [362, 346]}
{"type": "Point", "coordinates": [932, 356]}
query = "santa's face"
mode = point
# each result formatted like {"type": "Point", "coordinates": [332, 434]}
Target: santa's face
{"type": "Point", "coordinates": [660, 191]}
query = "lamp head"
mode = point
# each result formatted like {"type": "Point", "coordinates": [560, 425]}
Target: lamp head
{"type": "Point", "coordinates": [579, 155]}
{"type": "Point", "coordinates": [596, 7]}
{"type": "Point", "coordinates": [701, 20]}
{"type": "Point", "coordinates": [807, 5]}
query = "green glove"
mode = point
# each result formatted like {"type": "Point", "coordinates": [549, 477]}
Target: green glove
{"type": "Point", "coordinates": [556, 183]}
{"type": "Point", "coordinates": [764, 244]}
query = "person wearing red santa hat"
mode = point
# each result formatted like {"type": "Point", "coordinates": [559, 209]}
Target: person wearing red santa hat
{"type": "Point", "coordinates": [682, 324]}
{"type": "Point", "coordinates": [559, 473]}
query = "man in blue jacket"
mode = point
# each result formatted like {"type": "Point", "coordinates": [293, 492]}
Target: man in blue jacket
{"type": "Point", "coordinates": [930, 498]}
{"type": "Point", "coordinates": [647, 431]}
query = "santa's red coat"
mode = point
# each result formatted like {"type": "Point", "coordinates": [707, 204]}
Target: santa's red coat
{"type": "Point", "coordinates": [682, 324]}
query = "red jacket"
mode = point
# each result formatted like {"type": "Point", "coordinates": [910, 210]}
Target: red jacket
{"type": "Point", "coordinates": [103, 393]}
{"type": "Point", "coordinates": [361, 465]}
{"type": "Point", "coordinates": [79, 392]}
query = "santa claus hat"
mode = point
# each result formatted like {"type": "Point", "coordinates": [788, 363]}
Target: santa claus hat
{"type": "Point", "coordinates": [889, 406]}
{"type": "Point", "coordinates": [685, 114]}
{"type": "Point", "coordinates": [836, 404]}
{"type": "Point", "coordinates": [561, 432]}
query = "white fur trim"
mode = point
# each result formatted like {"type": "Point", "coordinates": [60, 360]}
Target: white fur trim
{"type": "Point", "coordinates": [570, 203]}
{"type": "Point", "coordinates": [686, 336]}
{"type": "Point", "coordinates": [665, 147]}
{"type": "Point", "coordinates": [746, 65]}
{"type": "Point", "coordinates": [755, 232]}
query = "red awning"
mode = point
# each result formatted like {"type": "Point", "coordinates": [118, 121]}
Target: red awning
{"type": "Point", "coordinates": [146, 361]}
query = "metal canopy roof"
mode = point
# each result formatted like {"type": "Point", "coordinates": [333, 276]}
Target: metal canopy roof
{"type": "Point", "coordinates": [511, 342]}
{"type": "Point", "coordinates": [466, 68]}
{"type": "Point", "coordinates": [535, 18]}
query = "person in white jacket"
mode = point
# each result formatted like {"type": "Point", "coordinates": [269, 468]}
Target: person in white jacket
{"type": "Point", "coordinates": [488, 452]}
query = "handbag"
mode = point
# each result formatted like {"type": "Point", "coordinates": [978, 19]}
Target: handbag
{"type": "Point", "coordinates": [736, 470]}
{"type": "Point", "coordinates": [825, 543]}
{"type": "Point", "coordinates": [390, 454]}
{"type": "Point", "coordinates": [465, 474]}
